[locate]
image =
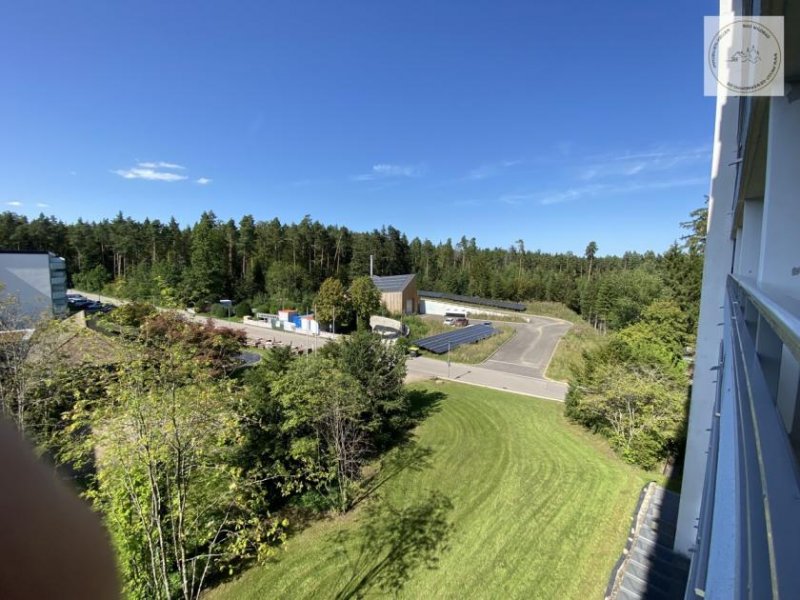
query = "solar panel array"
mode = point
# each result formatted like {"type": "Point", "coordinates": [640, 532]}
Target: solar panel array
{"type": "Point", "coordinates": [475, 300]}
{"type": "Point", "coordinates": [438, 344]}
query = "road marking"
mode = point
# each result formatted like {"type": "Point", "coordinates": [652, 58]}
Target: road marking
{"type": "Point", "coordinates": [514, 364]}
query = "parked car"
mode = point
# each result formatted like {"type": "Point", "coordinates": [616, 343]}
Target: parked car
{"type": "Point", "coordinates": [449, 320]}
{"type": "Point", "coordinates": [93, 306]}
{"type": "Point", "coordinates": [460, 322]}
{"type": "Point", "coordinates": [78, 303]}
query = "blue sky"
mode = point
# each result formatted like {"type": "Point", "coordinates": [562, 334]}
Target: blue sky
{"type": "Point", "coordinates": [556, 123]}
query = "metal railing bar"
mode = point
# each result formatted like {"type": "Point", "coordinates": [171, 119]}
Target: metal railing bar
{"type": "Point", "coordinates": [776, 485]}
{"type": "Point", "coordinates": [780, 311]}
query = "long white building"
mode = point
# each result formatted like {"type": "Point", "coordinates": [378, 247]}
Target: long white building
{"type": "Point", "coordinates": [739, 516]}
{"type": "Point", "coordinates": [33, 286]}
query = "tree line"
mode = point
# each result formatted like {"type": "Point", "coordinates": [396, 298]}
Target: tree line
{"type": "Point", "coordinates": [271, 264]}
{"type": "Point", "coordinates": [198, 466]}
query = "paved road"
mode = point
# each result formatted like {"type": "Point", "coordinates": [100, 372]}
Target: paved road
{"type": "Point", "coordinates": [518, 366]}
{"type": "Point", "coordinates": [529, 351]}
{"type": "Point", "coordinates": [253, 332]}
{"type": "Point", "coordinates": [422, 367]}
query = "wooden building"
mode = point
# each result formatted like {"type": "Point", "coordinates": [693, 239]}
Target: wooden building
{"type": "Point", "coordinates": [398, 293]}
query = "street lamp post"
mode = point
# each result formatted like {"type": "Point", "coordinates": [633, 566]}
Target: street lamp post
{"type": "Point", "coordinates": [448, 360]}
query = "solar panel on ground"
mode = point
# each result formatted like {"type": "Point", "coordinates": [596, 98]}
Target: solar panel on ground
{"type": "Point", "coordinates": [438, 344]}
{"type": "Point", "coordinates": [475, 300]}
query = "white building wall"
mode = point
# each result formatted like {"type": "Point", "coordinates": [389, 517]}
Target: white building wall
{"type": "Point", "coordinates": [26, 279]}
{"type": "Point", "coordinates": [718, 260]}
{"type": "Point", "coordinates": [437, 307]}
{"type": "Point", "coordinates": [748, 246]}
{"type": "Point", "coordinates": [779, 259]}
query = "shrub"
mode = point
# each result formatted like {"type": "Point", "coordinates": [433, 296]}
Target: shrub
{"type": "Point", "coordinates": [132, 314]}
{"type": "Point", "coordinates": [219, 311]}
{"type": "Point", "coordinates": [243, 309]}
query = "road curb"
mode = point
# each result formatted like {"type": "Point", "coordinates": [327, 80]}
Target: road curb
{"type": "Point", "coordinates": [499, 389]}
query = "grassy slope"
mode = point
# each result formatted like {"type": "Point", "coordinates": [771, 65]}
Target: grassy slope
{"type": "Point", "coordinates": [540, 510]}
{"type": "Point", "coordinates": [569, 352]}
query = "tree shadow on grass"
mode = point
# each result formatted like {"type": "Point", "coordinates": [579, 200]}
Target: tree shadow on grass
{"type": "Point", "coordinates": [411, 456]}
{"type": "Point", "coordinates": [423, 403]}
{"type": "Point", "coordinates": [392, 542]}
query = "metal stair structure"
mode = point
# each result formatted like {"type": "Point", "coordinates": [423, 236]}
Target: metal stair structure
{"type": "Point", "coordinates": [649, 569]}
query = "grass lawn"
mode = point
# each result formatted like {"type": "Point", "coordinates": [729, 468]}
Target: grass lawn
{"type": "Point", "coordinates": [552, 309]}
{"type": "Point", "coordinates": [504, 499]}
{"type": "Point", "coordinates": [569, 352]}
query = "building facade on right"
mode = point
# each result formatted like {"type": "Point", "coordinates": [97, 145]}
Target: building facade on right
{"type": "Point", "coordinates": [739, 516]}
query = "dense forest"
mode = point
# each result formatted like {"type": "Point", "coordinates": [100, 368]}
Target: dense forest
{"type": "Point", "coordinates": [269, 263]}
{"type": "Point", "coordinates": [206, 467]}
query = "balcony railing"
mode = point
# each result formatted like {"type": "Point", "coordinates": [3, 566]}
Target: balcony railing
{"type": "Point", "coordinates": [748, 542]}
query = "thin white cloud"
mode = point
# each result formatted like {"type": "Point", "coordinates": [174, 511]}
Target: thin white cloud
{"type": "Point", "coordinates": [491, 169]}
{"type": "Point", "coordinates": [160, 165]}
{"type": "Point", "coordinates": [516, 199]}
{"type": "Point", "coordinates": [14, 203]}
{"type": "Point", "coordinates": [204, 180]}
{"type": "Point", "coordinates": [597, 189]}
{"type": "Point", "coordinates": [148, 174]}
{"type": "Point", "coordinates": [386, 170]}
{"type": "Point", "coordinates": [628, 164]}
{"type": "Point", "coordinates": [42, 205]}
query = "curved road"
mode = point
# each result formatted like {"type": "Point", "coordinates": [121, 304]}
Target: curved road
{"type": "Point", "coordinates": [529, 352]}
{"type": "Point", "coordinates": [517, 366]}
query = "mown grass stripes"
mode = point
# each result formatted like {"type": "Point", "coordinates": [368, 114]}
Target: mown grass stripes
{"type": "Point", "coordinates": [540, 509]}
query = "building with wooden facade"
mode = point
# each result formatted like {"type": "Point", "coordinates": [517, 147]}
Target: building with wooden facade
{"type": "Point", "coordinates": [398, 293]}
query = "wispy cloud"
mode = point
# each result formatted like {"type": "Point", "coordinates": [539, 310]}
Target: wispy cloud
{"type": "Point", "coordinates": [204, 181]}
{"type": "Point", "coordinates": [491, 169]}
{"type": "Point", "coordinates": [598, 189]}
{"type": "Point", "coordinates": [628, 164]}
{"type": "Point", "coordinates": [148, 174]}
{"type": "Point", "coordinates": [14, 203]}
{"type": "Point", "coordinates": [160, 165]}
{"type": "Point", "coordinates": [153, 171]}
{"type": "Point", "coordinates": [388, 171]}
{"type": "Point", "coordinates": [42, 205]}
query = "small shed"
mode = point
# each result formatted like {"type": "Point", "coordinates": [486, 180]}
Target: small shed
{"type": "Point", "coordinates": [287, 314]}
{"type": "Point", "coordinates": [398, 293]}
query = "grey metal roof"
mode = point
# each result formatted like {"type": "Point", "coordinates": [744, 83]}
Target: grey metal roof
{"type": "Point", "coordinates": [392, 283]}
